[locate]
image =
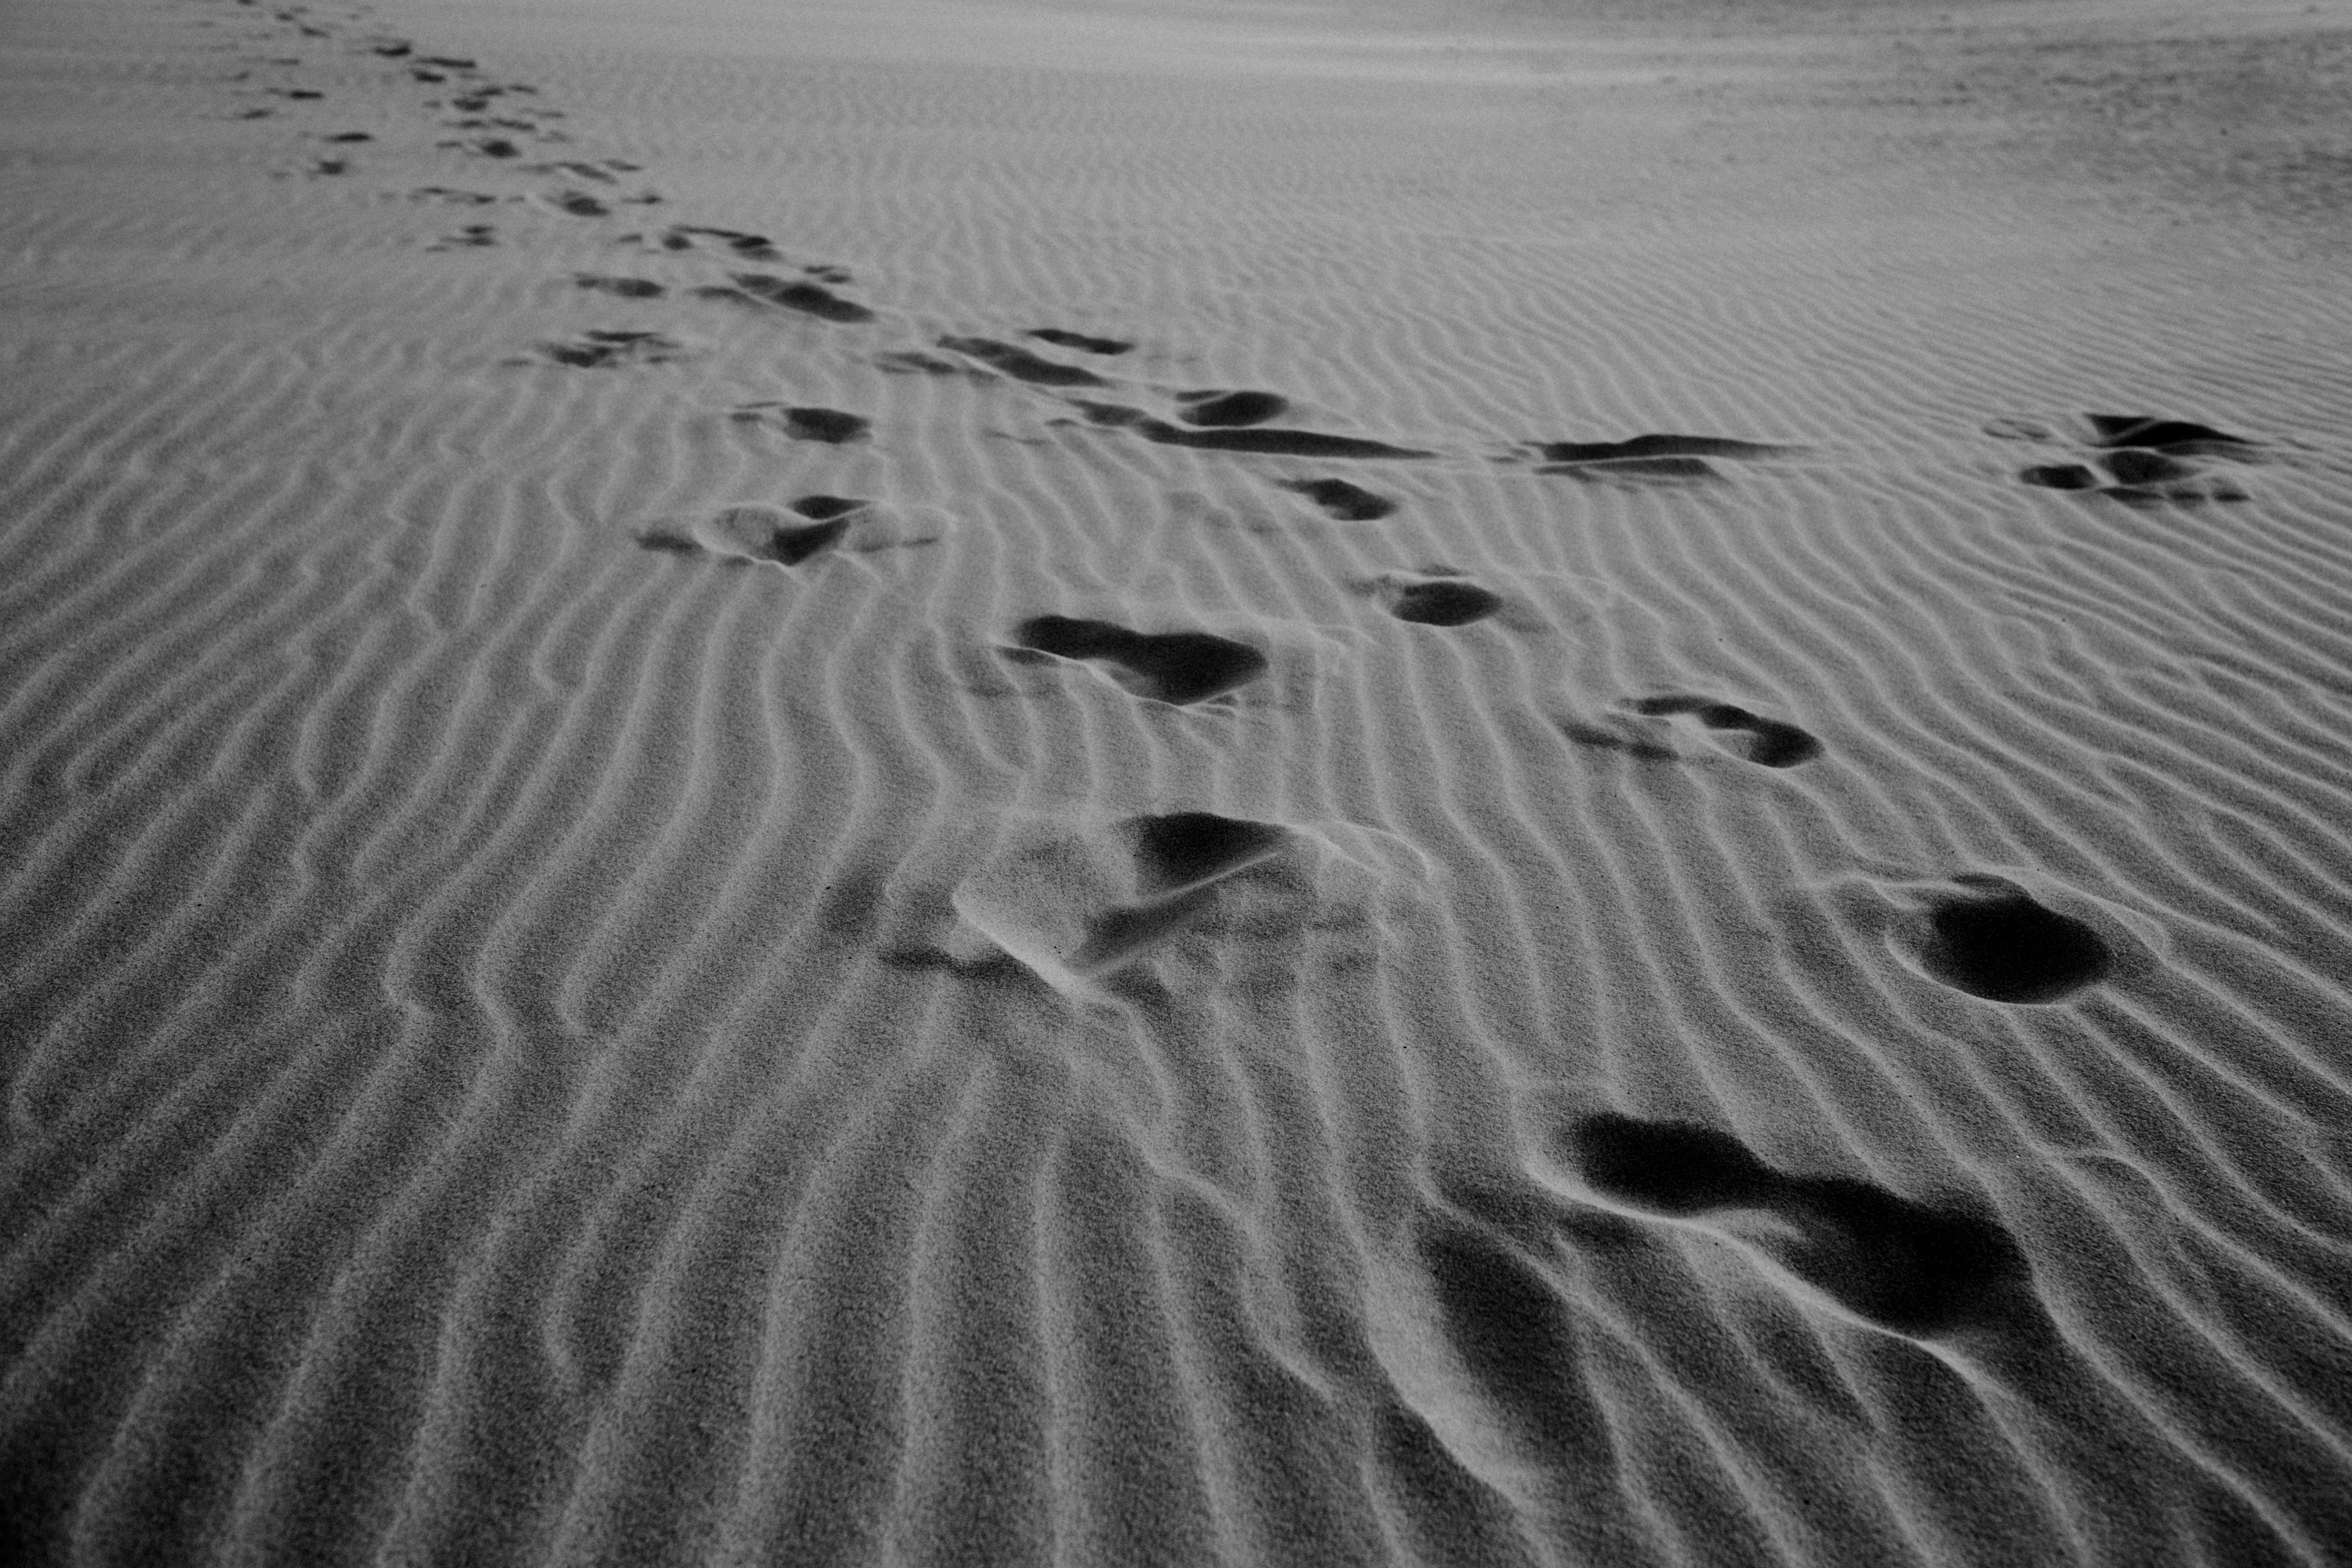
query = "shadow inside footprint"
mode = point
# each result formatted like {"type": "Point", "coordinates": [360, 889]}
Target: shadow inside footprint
{"type": "Point", "coordinates": [1637, 470]}
{"type": "Point", "coordinates": [823, 509]}
{"type": "Point", "coordinates": [1230, 408]}
{"type": "Point", "coordinates": [1770, 742]}
{"type": "Point", "coordinates": [1184, 849]}
{"type": "Point", "coordinates": [1341, 500]}
{"type": "Point", "coordinates": [1916, 1268]}
{"type": "Point", "coordinates": [607, 349]}
{"type": "Point", "coordinates": [1079, 340]}
{"type": "Point", "coordinates": [2003, 946]}
{"type": "Point", "coordinates": [1657, 446]}
{"type": "Point", "coordinates": [2166, 435]}
{"type": "Point", "coordinates": [804, 424]}
{"type": "Point", "coordinates": [799, 294]}
{"type": "Point", "coordinates": [2060, 477]}
{"type": "Point", "coordinates": [1446, 602]}
{"type": "Point", "coordinates": [1177, 667]}
{"type": "Point", "coordinates": [626, 288]}
{"type": "Point", "coordinates": [1021, 365]}
{"type": "Point", "coordinates": [1274, 442]}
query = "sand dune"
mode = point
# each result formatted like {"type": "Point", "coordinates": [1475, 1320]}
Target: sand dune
{"type": "Point", "coordinates": [1172, 784]}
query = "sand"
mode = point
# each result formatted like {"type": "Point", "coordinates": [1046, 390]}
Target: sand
{"type": "Point", "coordinates": [790, 782]}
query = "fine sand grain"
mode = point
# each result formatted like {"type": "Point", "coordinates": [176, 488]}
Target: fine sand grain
{"type": "Point", "coordinates": [1135, 782]}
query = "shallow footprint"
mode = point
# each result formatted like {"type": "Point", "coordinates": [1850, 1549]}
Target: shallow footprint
{"type": "Point", "coordinates": [1178, 667]}
{"type": "Point", "coordinates": [799, 294]}
{"type": "Point", "coordinates": [1341, 500]}
{"type": "Point", "coordinates": [1916, 1268]}
{"type": "Point", "coordinates": [626, 288]}
{"type": "Point", "coordinates": [1637, 470]}
{"type": "Point", "coordinates": [1995, 941]}
{"type": "Point", "coordinates": [1770, 742]}
{"type": "Point", "coordinates": [609, 350]}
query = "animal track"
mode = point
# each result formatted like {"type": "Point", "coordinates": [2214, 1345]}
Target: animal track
{"type": "Point", "coordinates": [1177, 667]}
{"type": "Point", "coordinates": [1919, 1269]}
{"type": "Point", "coordinates": [1340, 500]}
{"type": "Point", "coordinates": [1770, 742]}
{"type": "Point", "coordinates": [1995, 941]}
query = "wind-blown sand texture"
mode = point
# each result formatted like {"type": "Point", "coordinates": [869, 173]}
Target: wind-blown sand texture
{"type": "Point", "coordinates": [792, 782]}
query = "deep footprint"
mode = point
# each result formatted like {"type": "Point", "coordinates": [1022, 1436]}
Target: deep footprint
{"type": "Point", "coordinates": [1446, 602]}
{"type": "Point", "coordinates": [1273, 443]}
{"type": "Point", "coordinates": [796, 294]}
{"type": "Point", "coordinates": [1176, 668]}
{"type": "Point", "coordinates": [1638, 471]}
{"type": "Point", "coordinates": [1021, 365]}
{"type": "Point", "coordinates": [1230, 409]}
{"type": "Point", "coordinates": [1657, 446]}
{"type": "Point", "coordinates": [2001, 945]}
{"type": "Point", "coordinates": [1341, 500]}
{"type": "Point", "coordinates": [2166, 435]}
{"type": "Point", "coordinates": [1912, 1267]}
{"type": "Point", "coordinates": [804, 424]}
{"type": "Point", "coordinates": [1770, 744]}
{"type": "Point", "coordinates": [1186, 850]}
{"type": "Point", "coordinates": [1079, 340]}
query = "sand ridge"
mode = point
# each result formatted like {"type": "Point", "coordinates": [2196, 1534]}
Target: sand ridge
{"type": "Point", "coordinates": [789, 798]}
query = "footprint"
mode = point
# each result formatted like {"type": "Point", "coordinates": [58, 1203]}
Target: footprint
{"type": "Point", "coordinates": [1769, 742]}
{"type": "Point", "coordinates": [803, 530]}
{"type": "Point", "coordinates": [446, 194]}
{"type": "Point", "coordinates": [751, 247]}
{"type": "Point", "coordinates": [1340, 500]}
{"type": "Point", "coordinates": [1599, 740]}
{"type": "Point", "coordinates": [1230, 409]}
{"type": "Point", "coordinates": [1638, 471]}
{"type": "Point", "coordinates": [914, 361]}
{"type": "Point", "coordinates": [1076, 908]}
{"type": "Point", "coordinates": [472, 235]}
{"type": "Point", "coordinates": [1914, 1268]}
{"type": "Point", "coordinates": [1181, 850]}
{"type": "Point", "coordinates": [2060, 477]}
{"type": "Point", "coordinates": [1995, 941]}
{"type": "Point", "coordinates": [626, 288]}
{"type": "Point", "coordinates": [2145, 455]}
{"type": "Point", "coordinates": [1641, 447]}
{"type": "Point", "coordinates": [1078, 341]}
{"type": "Point", "coordinates": [1021, 365]}
{"type": "Point", "coordinates": [350, 136]}
{"type": "Point", "coordinates": [579, 204]}
{"type": "Point", "coordinates": [1436, 601]}
{"type": "Point", "coordinates": [607, 349]}
{"type": "Point", "coordinates": [2168, 435]}
{"type": "Point", "coordinates": [1177, 667]}
{"type": "Point", "coordinates": [1276, 442]}
{"type": "Point", "coordinates": [827, 425]}
{"type": "Point", "coordinates": [790, 294]}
